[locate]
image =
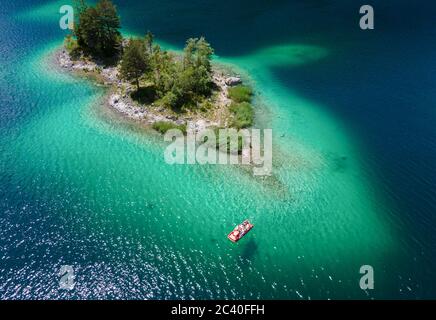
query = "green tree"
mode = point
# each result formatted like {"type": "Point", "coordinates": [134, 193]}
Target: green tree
{"type": "Point", "coordinates": [149, 38]}
{"type": "Point", "coordinates": [203, 66]}
{"type": "Point", "coordinates": [109, 23]}
{"type": "Point", "coordinates": [135, 61]}
{"type": "Point", "coordinates": [79, 7]}
{"type": "Point", "coordinates": [97, 28]}
{"type": "Point", "coordinates": [189, 52]}
{"type": "Point", "coordinates": [204, 54]}
{"type": "Point", "coordinates": [186, 83]}
{"type": "Point", "coordinates": [197, 66]}
{"type": "Point", "coordinates": [86, 30]}
{"type": "Point", "coordinates": [164, 70]}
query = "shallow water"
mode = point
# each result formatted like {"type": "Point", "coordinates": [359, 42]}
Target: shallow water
{"type": "Point", "coordinates": [82, 188]}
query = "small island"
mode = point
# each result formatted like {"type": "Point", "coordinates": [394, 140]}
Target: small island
{"type": "Point", "coordinates": [162, 89]}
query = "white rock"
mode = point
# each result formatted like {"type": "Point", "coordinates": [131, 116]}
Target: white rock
{"type": "Point", "coordinates": [233, 81]}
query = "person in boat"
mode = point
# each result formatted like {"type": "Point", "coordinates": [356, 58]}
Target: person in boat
{"type": "Point", "coordinates": [241, 229]}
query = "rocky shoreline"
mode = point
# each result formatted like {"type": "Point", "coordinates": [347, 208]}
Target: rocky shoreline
{"type": "Point", "coordinates": [119, 99]}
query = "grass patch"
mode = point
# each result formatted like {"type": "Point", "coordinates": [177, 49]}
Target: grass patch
{"type": "Point", "coordinates": [163, 127]}
{"type": "Point", "coordinates": [243, 115]}
{"type": "Point", "coordinates": [241, 94]}
{"type": "Point", "coordinates": [205, 106]}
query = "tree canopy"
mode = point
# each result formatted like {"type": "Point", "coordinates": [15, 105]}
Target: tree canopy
{"type": "Point", "coordinates": [178, 82]}
{"type": "Point", "coordinates": [191, 79]}
{"type": "Point", "coordinates": [97, 28]}
{"type": "Point", "coordinates": [135, 61]}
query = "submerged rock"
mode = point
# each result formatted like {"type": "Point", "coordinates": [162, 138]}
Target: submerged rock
{"type": "Point", "coordinates": [233, 81]}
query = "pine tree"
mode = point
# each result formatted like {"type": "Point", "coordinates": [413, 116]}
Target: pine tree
{"type": "Point", "coordinates": [108, 35]}
{"type": "Point", "coordinates": [197, 67]}
{"type": "Point", "coordinates": [149, 38]}
{"type": "Point", "coordinates": [189, 51]}
{"type": "Point", "coordinates": [135, 61]}
{"type": "Point", "coordinates": [97, 28]}
{"type": "Point", "coordinates": [204, 54]}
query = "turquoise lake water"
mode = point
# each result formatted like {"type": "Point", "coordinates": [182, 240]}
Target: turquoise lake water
{"type": "Point", "coordinates": [352, 114]}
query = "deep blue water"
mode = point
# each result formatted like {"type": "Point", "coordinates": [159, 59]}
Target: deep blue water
{"type": "Point", "coordinates": [379, 83]}
{"type": "Point", "coordinates": [382, 84]}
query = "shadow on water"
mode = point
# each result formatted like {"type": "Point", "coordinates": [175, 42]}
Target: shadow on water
{"type": "Point", "coordinates": [249, 252]}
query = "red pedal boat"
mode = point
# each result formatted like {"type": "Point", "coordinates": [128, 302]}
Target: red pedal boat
{"type": "Point", "coordinates": [240, 231]}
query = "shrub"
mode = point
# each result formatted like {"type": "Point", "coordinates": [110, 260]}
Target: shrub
{"type": "Point", "coordinates": [241, 94]}
{"type": "Point", "coordinates": [205, 106]}
{"type": "Point", "coordinates": [164, 126]}
{"type": "Point", "coordinates": [243, 115]}
{"type": "Point", "coordinates": [72, 47]}
{"type": "Point", "coordinates": [170, 100]}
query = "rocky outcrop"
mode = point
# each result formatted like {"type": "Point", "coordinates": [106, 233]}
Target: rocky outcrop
{"type": "Point", "coordinates": [200, 125]}
{"type": "Point", "coordinates": [128, 108]}
{"type": "Point", "coordinates": [233, 81]}
{"type": "Point", "coordinates": [66, 62]}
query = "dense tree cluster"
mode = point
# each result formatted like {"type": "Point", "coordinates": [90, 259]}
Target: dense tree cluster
{"type": "Point", "coordinates": [97, 28]}
{"type": "Point", "coordinates": [176, 81]}
{"type": "Point", "coordinates": [192, 78]}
